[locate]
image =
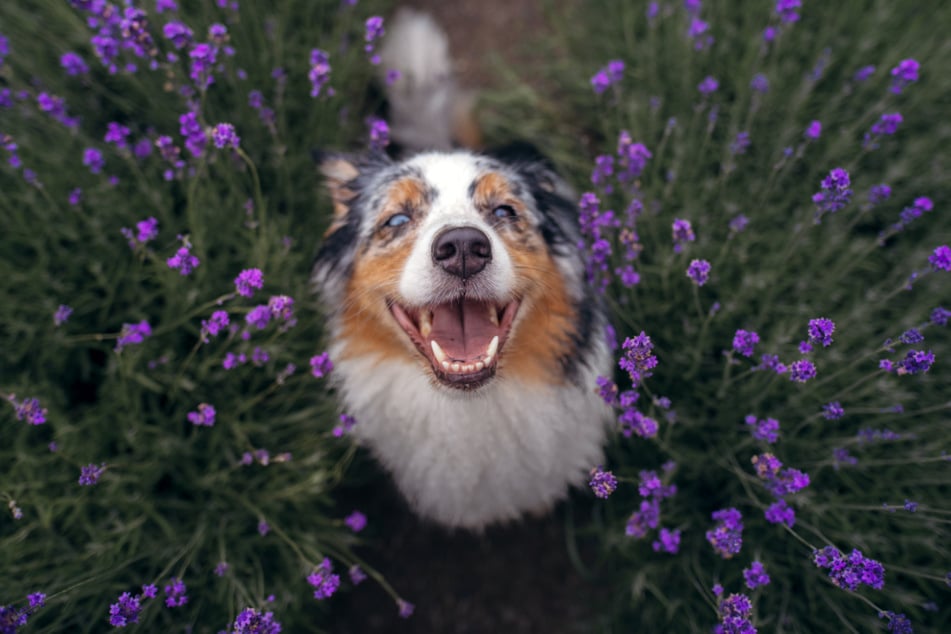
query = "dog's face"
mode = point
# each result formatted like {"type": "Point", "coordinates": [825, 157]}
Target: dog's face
{"type": "Point", "coordinates": [460, 265]}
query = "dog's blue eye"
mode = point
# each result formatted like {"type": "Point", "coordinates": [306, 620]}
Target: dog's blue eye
{"type": "Point", "coordinates": [503, 211]}
{"type": "Point", "coordinates": [396, 220]}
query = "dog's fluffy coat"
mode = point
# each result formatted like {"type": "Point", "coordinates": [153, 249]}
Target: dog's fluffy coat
{"type": "Point", "coordinates": [475, 430]}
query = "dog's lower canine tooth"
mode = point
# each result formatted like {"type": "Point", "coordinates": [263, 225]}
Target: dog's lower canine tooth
{"type": "Point", "coordinates": [492, 349]}
{"type": "Point", "coordinates": [438, 352]}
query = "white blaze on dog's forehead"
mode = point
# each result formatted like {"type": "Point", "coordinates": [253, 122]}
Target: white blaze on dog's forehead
{"type": "Point", "coordinates": [450, 176]}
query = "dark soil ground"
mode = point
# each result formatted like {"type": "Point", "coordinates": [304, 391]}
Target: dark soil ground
{"type": "Point", "coordinates": [516, 579]}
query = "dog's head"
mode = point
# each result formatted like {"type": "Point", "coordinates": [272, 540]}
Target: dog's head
{"type": "Point", "coordinates": [462, 265]}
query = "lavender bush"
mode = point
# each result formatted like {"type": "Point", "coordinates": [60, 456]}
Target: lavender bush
{"type": "Point", "coordinates": [765, 217]}
{"type": "Point", "coordinates": [169, 452]}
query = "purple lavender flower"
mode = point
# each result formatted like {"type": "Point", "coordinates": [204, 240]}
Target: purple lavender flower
{"type": "Point", "coordinates": [61, 316]}
{"type": "Point", "coordinates": [29, 409]}
{"type": "Point", "coordinates": [668, 541]}
{"type": "Point", "coordinates": [739, 224]}
{"type": "Point", "coordinates": [224, 136]}
{"type": "Point", "coordinates": [347, 423]}
{"type": "Point", "coordinates": [863, 74]}
{"type": "Point", "coordinates": [404, 608]}
{"type": "Point", "coordinates": [734, 613]}
{"type": "Point", "coordinates": [878, 193]}
{"type": "Point", "coordinates": [638, 359]}
{"type": "Point", "coordinates": [755, 576]}
{"type": "Point", "coordinates": [744, 342]}
{"type": "Point", "coordinates": [940, 260]}
{"type": "Point", "coordinates": [766, 429]}
{"type": "Point", "coordinates": [92, 158]}
{"type": "Point", "coordinates": [611, 74]}
{"type": "Point", "coordinates": [204, 416]}
{"type": "Point", "coordinates": [356, 521]}
{"type": "Point", "coordinates": [841, 456]}
{"type": "Point", "coordinates": [897, 623]}
{"type": "Point", "coordinates": [921, 205]}
{"type": "Point", "coordinates": [645, 518]}
{"type": "Point", "coordinates": [175, 593]}
{"type": "Point", "coordinates": [319, 73]}
{"type": "Point", "coordinates": [179, 34]}
{"type": "Point", "coordinates": [699, 271]}
{"type": "Point", "coordinates": [632, 157]}
{"type": "Point", "coordinates": [259, 316]}
{"type": "Point", "coordinates": [218, 321]}
{"type": "Point", "coordinates": [727, 536]}
{"type": "Point", "coordinates": [125, 611]}
{"type": "Point", "coordinates": [357, 576]}
{"type": "Point", "coordinates": [321, 365]}
{"type": "Point", "coordinates": [633, 422]}
{"type": "Point", "coordinates": [90, 474]}
{"type": "Point", "coordinates": [603, 483]}
{"type": "Point", "coordinates": [910, 506]}
{"type": "Point", "coordinates": [813, 131]}
{"type": "Point", "coordinates": [887, 125]}
{"type": "Point", "coordinates": [133, 334]}
{"type": "Point", "coordinates": [915, 362]}
{"type": "Point", "coordinates": [940, 316]}
{"type": "Point", "coordinates": [699, 32]}
{"type": "Point", "coordinates": [850, 572]}
{"type": "Point", "coordinates": [203, 58]}
{"type": "Point", "coordinates": [820, 331]}
{"type": "Point", "coordinates": [769, 34]}
{"type": "Point", "coordinates": [741, 143]}
{"type": "Point", "coordinates": [263, 528]}
{"type": "Point", "coordinates": [911, 336]}
{"type": "Point", "coordinates": [788, 10]}
{"type": "Point", "coordinates": [760, 83]}
{"type": "Point", "coordinates": [73, 64]}
{"type": "Point", "coordinates": [161, 6]}
{"type": "Point", "coordinates": [903, 75]}
{"type": "Point", "coordinates": [682, 233]}
{"type": "Point", "coordinates": [194, 133]}
{"type": "Point", "coordinates": [374, 31]}
{"type": "Point", "coordinates": [781, 513]}
{"type": "Point", "coordinates": [252, 621]}
{"type": "Point", "coordinates": [379, 134]}
{"type": "Point", "coordinates": [117, 134]}
{"type": "Point", "coordinates": [324, 581]}
{"type": "Point", "coordinates": [835, 194]}
{"type": "Point", "coordinates": [221, 568]}
{"type": "Point", "coordinates": [282, 307]}
{"type": "Point", "coordinates": [833, 410]}
{"type": "Point", "coordinates": [183, 261]}
{"type": "Point", "coordinates": [247, 281]}
{"type": "Point", "coordinates": [708, 85]}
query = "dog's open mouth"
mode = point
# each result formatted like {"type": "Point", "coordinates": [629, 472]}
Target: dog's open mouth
{"type": "Point", "coordinates": [462, 339]}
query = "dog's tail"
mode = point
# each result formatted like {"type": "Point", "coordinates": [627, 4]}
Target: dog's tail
{"type": "Point", "coordinates": [428, 110]}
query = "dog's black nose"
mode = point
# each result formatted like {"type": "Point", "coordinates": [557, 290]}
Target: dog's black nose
{"type": "Point", "coordinates": [462, 251]}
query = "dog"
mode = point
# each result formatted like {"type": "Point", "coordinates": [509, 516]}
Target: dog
{"type": "Point", "coordinates": [465, 340]}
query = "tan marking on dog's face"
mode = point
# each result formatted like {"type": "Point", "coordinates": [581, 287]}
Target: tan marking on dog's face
{"type": "Point", "coordinates": [407, 195]}
{"type": "Point", "coordinates": [542, 336]}
{"type": "Point", "coordinates": [494, 189]}
{"type": "Point", "coordinates": [368, 326]}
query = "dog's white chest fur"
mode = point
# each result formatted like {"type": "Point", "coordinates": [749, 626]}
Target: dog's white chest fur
{"type": "Point", "coordinates": [471, 459]}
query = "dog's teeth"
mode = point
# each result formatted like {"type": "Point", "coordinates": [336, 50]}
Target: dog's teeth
{"type": "Point", "coordinates": [455, 367]}
{"type": "Point", "coordinates": [425, 323]}
{"type": "Point", "coordinates": [438, 352]}
{"type": "Point", "coordinates": [479, 366]}
{"type": "Point", "coordinates": [493, 315]}
{"type": "Point", "coordinates": [445, 366]}
{"type": "Point", "coordinates": [492, 349]}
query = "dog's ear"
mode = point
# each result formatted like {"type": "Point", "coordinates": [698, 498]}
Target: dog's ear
{"type": "Point", "coordinates": [340, 174]}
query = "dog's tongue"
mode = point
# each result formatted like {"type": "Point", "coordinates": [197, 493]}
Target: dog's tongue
{"type": "Point", "coordinates": [464, 329]}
